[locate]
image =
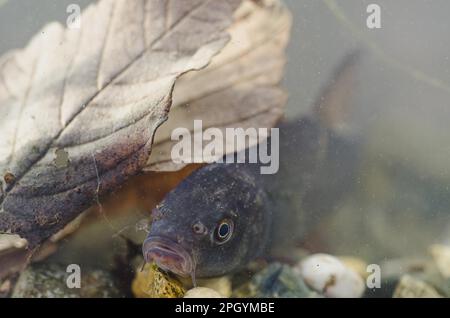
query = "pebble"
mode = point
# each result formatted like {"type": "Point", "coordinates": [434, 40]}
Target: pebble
{"type": "Point", "coordinates": [329, 276]}
{"type": "Point", "coordinates": [222, 285]}
{"type": "Point", "coordinates": [441, 257]}
{"type": "Point", "coordinates": [202, 292]}
{"type": "Point", "coordinates": [5, 288]}
{"type": "Point", "coordinates": [410, 287]}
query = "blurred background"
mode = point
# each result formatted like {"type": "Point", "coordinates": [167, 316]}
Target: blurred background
{"type": "Point", "coordinates": [401, 111]}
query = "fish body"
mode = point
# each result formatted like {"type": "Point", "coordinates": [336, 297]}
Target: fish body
{"type": "Point", "coordinates": [224, 215]}
{"type": "Point", "coordinates": [259, 212]}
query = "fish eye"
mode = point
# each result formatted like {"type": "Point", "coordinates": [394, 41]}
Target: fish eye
{"type": "Point", "coordinates": [223, 231]}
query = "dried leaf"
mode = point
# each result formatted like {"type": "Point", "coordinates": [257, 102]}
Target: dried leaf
{"type": "Point", "coordinates": [240, 88]}
{"type": "Point", "coordinates": [99, 93]}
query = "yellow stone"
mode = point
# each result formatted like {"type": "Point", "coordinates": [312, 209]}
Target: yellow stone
{"type": "Point", "coordinates": [151, 282]}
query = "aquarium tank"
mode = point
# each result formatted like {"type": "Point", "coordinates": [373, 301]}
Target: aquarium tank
{"type": "Point", "coordinates": [224, 149]}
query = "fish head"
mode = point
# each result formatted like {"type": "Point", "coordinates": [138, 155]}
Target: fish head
{"type": "Point", "coordinates": [211, 224]}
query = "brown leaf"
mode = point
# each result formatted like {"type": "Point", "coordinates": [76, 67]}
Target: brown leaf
{"type": "Point", "coordinates": [99, 93]}
{"type": "Point", "coordinates": [240, 88]}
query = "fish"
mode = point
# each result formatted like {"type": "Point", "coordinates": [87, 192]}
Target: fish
{"type": "Point", "coordinates": [227, 211]}
{"type": "Point", "coordinates": [224, 215]}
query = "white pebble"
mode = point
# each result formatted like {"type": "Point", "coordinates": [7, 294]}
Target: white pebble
{"type": "Point", "coordinates": [202, 292]}
{"type": "Point", "coordinates": [222, 285]}
{"type": "Point", "coordinates": [441, 256]}
{"type": "Point", "coordinates": [328, 275]}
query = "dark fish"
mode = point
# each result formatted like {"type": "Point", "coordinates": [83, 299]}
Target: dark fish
{"type": "Point", "coordinates": [224, 215]}
{"type": "Point", "coordinates": [213, 222]}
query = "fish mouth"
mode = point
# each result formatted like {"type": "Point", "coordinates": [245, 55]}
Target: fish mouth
{"type": "Point", "coordinates": [168, 255]}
